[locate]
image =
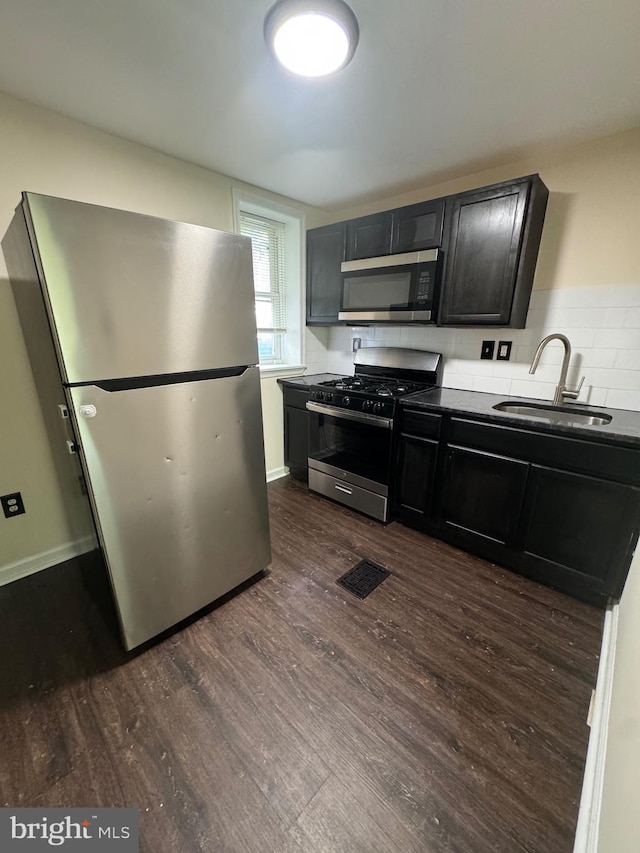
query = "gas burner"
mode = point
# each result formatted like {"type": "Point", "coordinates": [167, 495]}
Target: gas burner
{"type": "Point", "coordinates": [374, 386]}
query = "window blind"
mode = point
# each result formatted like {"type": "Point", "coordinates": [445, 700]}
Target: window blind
{"type": "Point", "coordinates": [268, 246]}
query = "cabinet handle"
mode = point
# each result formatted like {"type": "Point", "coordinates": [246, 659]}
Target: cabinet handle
{"type": "Point", "coordinates": [343, 489]}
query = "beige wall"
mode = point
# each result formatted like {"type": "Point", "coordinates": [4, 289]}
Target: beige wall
{"type": "Point", "coordinates": [591, 227]}
{"type": "Point", "coordinates": [46, 153]}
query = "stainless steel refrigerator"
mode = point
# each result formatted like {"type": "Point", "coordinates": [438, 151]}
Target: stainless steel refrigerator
{"type": "Point", "coordinates": [142, 338]}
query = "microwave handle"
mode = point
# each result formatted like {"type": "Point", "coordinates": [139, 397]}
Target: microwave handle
{"type": "Point", "coordinates": [405, 259]}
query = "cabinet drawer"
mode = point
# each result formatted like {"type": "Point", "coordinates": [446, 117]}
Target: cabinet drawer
{"type": "Point", "coordinates": [420, 423]}
{"type": "Point", "coordinates": [296, 397]}
{"type": "Point", "coordinates": [621, 464]}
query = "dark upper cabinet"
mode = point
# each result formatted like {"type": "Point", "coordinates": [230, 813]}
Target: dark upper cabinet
{"type": "Point", "coordinates": [369, 236]}
{"type": "Point", "coordinates": [492, 239]}
{"type": "Point", "coordinates": [489, 240]}
{"type": "Point", "coordinates": [325, 253]}
{"type": "Point", "coordinates": [418, 226]}
{"type": "Point", "coordinates": [407, 229]}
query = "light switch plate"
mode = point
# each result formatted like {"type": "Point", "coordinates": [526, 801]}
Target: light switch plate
{"type": "Point", "coordinates": [487, 349]}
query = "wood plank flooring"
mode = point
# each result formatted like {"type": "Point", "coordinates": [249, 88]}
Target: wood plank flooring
{"type": "Point", "coordinates": [445, 712]}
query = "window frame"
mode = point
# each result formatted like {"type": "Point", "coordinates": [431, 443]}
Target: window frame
{"type": "Point", "coordinates": [294, 262]}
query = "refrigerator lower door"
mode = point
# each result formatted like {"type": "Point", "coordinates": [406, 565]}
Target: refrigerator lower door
{"type": "Point", "coordinates": [176, 479]}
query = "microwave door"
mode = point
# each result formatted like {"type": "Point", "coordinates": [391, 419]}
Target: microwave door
{"type": "Point", "coordinates": [401, 294]}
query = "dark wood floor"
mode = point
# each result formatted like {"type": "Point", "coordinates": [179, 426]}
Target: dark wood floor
{"type": "Point", "coordinates": [445, 712]}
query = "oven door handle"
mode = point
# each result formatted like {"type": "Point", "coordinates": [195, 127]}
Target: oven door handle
{"type": "Point", "coordinates": [360, 417]}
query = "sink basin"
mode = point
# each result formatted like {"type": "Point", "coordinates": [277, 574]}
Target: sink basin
{"type": "Point", "coordinates": [554, 414]}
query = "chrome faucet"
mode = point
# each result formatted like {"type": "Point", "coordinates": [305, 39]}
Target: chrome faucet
{"type": "Point", "coordinates": [561, 391]}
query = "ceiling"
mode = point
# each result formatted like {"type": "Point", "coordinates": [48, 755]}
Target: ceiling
{"type": "Point", "coordinates": [437, 88]}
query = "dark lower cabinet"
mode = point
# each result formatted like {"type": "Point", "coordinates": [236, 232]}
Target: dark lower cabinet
{"type": "Point", "coordinates": [417, 456]}
{"type": "Point", "coordinates": [482, 494]}
{"type": "Point", "coordinates": [563, 511]}
{"type": "Point", "coordinates": [416, 473]}
{"type": "Point", "coordinates": [296, 431]}
{"type": "Point", "coordinates": [580, 529]}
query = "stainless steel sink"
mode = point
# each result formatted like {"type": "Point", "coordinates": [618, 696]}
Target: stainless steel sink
{"type": "Point", "coordinates": [554, 414]}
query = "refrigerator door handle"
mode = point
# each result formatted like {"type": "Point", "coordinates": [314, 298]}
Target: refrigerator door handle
{"type": "Point", "coordinates": [133, 382]}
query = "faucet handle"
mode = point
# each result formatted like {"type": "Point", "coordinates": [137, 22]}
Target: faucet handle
{"type": "Point", "coordinates": [572, 394]}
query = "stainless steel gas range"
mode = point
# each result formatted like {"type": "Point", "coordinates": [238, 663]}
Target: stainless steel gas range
{"type": "Point", "coordinates": [352, 425]}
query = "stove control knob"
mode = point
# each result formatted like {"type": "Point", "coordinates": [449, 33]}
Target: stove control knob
{"type": "Point", "coordinates": [328, 397]}
{"type": "Point", "coordinates": [378, 408]}
{"type": "Point", "coordinates": [346, 402]}
{"type": "Point", "coordinates": [366, 405]}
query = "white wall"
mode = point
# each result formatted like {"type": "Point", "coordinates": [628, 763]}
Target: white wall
{"type": "Point", "coordinates": [46, 153]}
{"type": "Point", "coordinates": [619, 818]}
{"type": "Point", "coordinates": [587, 283]}
{"type": "Point", "coordinates": [602, 323]}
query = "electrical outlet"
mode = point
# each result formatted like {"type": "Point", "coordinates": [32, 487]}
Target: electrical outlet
{"type": "Point", "coordinates": [504, 350]}
{"type": "Point", "coordinates": [487, 349]}
{"type": "Point", "coordinates": [12, 504]}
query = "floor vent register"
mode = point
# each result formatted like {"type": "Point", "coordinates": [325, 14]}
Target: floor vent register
{"type": "Point", "coordinates": [363, 578]}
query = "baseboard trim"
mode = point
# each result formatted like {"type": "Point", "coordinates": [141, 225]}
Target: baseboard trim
{"type": "Point", "coordinates": [586, 840]}
{"type": "Point", "coordinates": [45, 560]}
{"type": "Point", "coordinates": [276, 473]}
{"type": "Point", "coordinates": [36, 563]}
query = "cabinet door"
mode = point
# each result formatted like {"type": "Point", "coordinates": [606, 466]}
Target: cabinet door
{"type": "Point", "coordinates": [482, 494]}
{"type": "Point", "coordinates": [296, 440]}
{"type": "Point", "coordinates": [417, 459]}
{"type": "Point", "coordinates": [485, 235]}
{"type": "Point", "coordinates": [418, 226]}
{"type": "Point", "coordinates": [369, 236]}
{"type": "Point", "coordinates": [580, 530]}
{"type": "Point", "coordinates": [325, 253]}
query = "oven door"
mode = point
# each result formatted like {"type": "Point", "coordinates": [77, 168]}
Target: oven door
{"type": "Point", "coordinates": [350, 457]}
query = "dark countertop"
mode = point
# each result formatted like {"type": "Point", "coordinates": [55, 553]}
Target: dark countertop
{"type": "Point", "coordinates": [313, 379]}
{"type": "Point", "coordinates": [623, 429]}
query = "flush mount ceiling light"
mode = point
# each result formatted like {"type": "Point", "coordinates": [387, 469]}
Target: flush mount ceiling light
{"type": "Point", "coordinates": [312, 38]}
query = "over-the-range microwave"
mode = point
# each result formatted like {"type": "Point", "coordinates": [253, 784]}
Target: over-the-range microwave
{"type": "Point", "coordinates": [391, 289]}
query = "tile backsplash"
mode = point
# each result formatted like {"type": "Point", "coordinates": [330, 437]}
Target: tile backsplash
{"type": "Point", "coordinates": [602, 324]}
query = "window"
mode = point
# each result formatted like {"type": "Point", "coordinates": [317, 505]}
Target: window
{"type": "Point", "coordinates": [268, 242]}
{"type": "Point", "coordinates": [276, 236]}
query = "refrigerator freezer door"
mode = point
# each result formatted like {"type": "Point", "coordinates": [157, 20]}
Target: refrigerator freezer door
{"type": "Point", "coordinates": [177, 481]}
{"type": "Point", "coordinates": [132, 295]}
